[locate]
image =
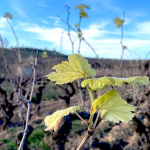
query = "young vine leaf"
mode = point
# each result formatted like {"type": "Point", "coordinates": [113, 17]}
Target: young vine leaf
{"type": "Point", "coordinates": [8, 15]}
{"type": "Point", "coordinates": [82, 13]}
{"type": "Point", "coordinates": [68, 71]}
{"type": "Point", "coordinates": [118, 22]}
{"type": "Point", "coordinates": [100, 83]}
{"type": "Point", "coordinates": [82, 7]}
{"type": "Point", "coordinates": [76, 25]}
{"type": "Point", "coordinates": [113, 107]}
{"type": "Point", "coordinates": [44, 55]}
{"type": "Point", "coordinates": [124, 47]}
{"type": "Point", "coordinates": [52, 121]}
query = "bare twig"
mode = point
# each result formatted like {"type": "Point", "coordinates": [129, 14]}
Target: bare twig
{"type": "Point", "coordinates": [9, 73]}
{"type": "Point", "coordinates": [121, 42]}
{"type": "Point", "coordinates": [4, 112]}
{"type": "Point", "coordinates": [80, 38]}
{"type": "Point", "coordinates": [29, 104]}
{"type": "Point", "coordinates": [21, 75]}
{"type": "Point", "coordinates": [19, 55]}
{"type": "Point", "coordinates": [72, 43]}
{"type": "Point", "coordinates": [80, 117]}
{"type": "Point", "coordinates": [28, 90]}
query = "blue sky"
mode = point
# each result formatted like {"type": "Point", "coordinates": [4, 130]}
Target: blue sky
{"type": "Point", "coordinates": [37, 25]}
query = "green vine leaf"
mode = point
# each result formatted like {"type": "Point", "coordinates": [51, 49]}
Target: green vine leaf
{"type": "Point", "coordinates": [124, 47]}
{"type": "Point", "coordinates": [52, 121]}
{"type": "Point", "coordinates": [8, 15]}
{"type": "Point", "coordinates": [83, 14]}
{"type": "Point", "coordinates": [118, 22]}
{"type": "Point", "coordinates": [113, 107]}
{"type": "Point", "coordinates": [44, 55]}
{"type": "Point", "coordinates": [100, 83]}
{"type": "Point", "coordinates": [68, 71]}
{"type": "Point", "coordinates": [82, 6]}
{"type": "Point", "coordinates": [76, 25]}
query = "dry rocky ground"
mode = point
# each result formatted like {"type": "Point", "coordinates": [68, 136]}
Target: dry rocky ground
{"type": "Point", "coordinates": [107, 136]}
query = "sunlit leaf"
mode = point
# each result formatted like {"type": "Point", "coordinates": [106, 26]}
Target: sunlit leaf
{"type": "Point", "coordinates": [79, 35]}
{"type": "Point", "coordinates": [118, 22]}
{"type": "Point", "coordinates": [124, 47]}
{"type": "Point", "coordinates": [44, 55]}
{"type": "Point", "coordinates": [82, 6]}
{"type": "Point", "coordinates": [113, 107]}
{"type": "Point", "coordinates": [68, 71]}
{"type": "Point", "coordinates": [52, 121]}
{"type": "Point", "coordinates": [140, 80]}
{"type": "Point", "coordinates": [83, 14]}
{"type": "Point", "coordinates": [76, 25]}
{"type": "Point", "coordinates": [99, 83]}
{"type": "Point", "coordinates": [8, 15]}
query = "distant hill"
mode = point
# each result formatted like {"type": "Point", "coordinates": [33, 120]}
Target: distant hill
{"type": "Point", "coordinates": [52, 54]}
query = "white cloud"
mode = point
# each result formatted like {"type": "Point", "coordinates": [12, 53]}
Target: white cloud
{"type": "Point", "coordinates": [5, 29]}
{"type": "Point", "coordinates": [144, 27]}
{"type": "Point", "coordinates": [99, 26]}
{"type": "Point", "coordinates": [19, 11]}
{"type": "Point", "coordinates": [56, 20]}
{"type": "Point", "coordinates": [3, 22]}
{"type": "Point", "coordinates": [52, 17]}
{"type": "Point", "coordinates": [106, 4]}
{"type": "Point", "coordinates": [97, 31]}
{"type": "Point", "coordinates": [46, 34]}
{"type": "Point", "coordinates": [141, 30]}
{"type": "Point", "coordinates": [110, 5]}
{"type": "Point", "coordinates": [44, 21]}
{"type": "Point", "coordinates": [127, 21]}
{"type": "Point", "coordinates": [136, 13]}
{"type": "Point", "coordinates": [102, 43]}
{"type": "Point", "coordinates": [43, 5]}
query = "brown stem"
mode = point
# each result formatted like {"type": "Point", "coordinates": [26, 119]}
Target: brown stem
{"type": "Point", "coordinates": [72, 43]}
{"type": "Point", "coordinates": [29, 105]}
{"type": "Point", "coordinates": [80, 38]}
{"type": "Point", "coordinates": [19, 56]}
{"type": "Point", "coordinates": [9, 73]}
{"type": "Point", "coordinates": [121, 42]}
{"type": "Point", "coordinates": [90, 133]}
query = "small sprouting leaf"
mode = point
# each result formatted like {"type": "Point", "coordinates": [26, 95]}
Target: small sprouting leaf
{"type": "Point", "coordinates": [80, 35]}
{"type": "Point", "coordinates": [83, 14]}
{"type": "Point", "coordinates": [76, 25]}
{"type": "Point", "coordinates": [44, 55]}
{"type": "Point", "coordinates": [124, 47]}
{"type": "Point", "coordinates": [82, 6]}
{"type": "Point", "coordinates": [8, 15]}
{"type": "Point", "coordinates": [99, 83]}
{"type": "Point", "coordinates": [118, 22]}
{"type": "Point", "coordinates": [52, 121]}
{"type": "Point", "coordinates": [113, 107]}
{"type": "Point", "coordinates": [68, 71]}
{"type": "Point", "coordinates": [140, 80]}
